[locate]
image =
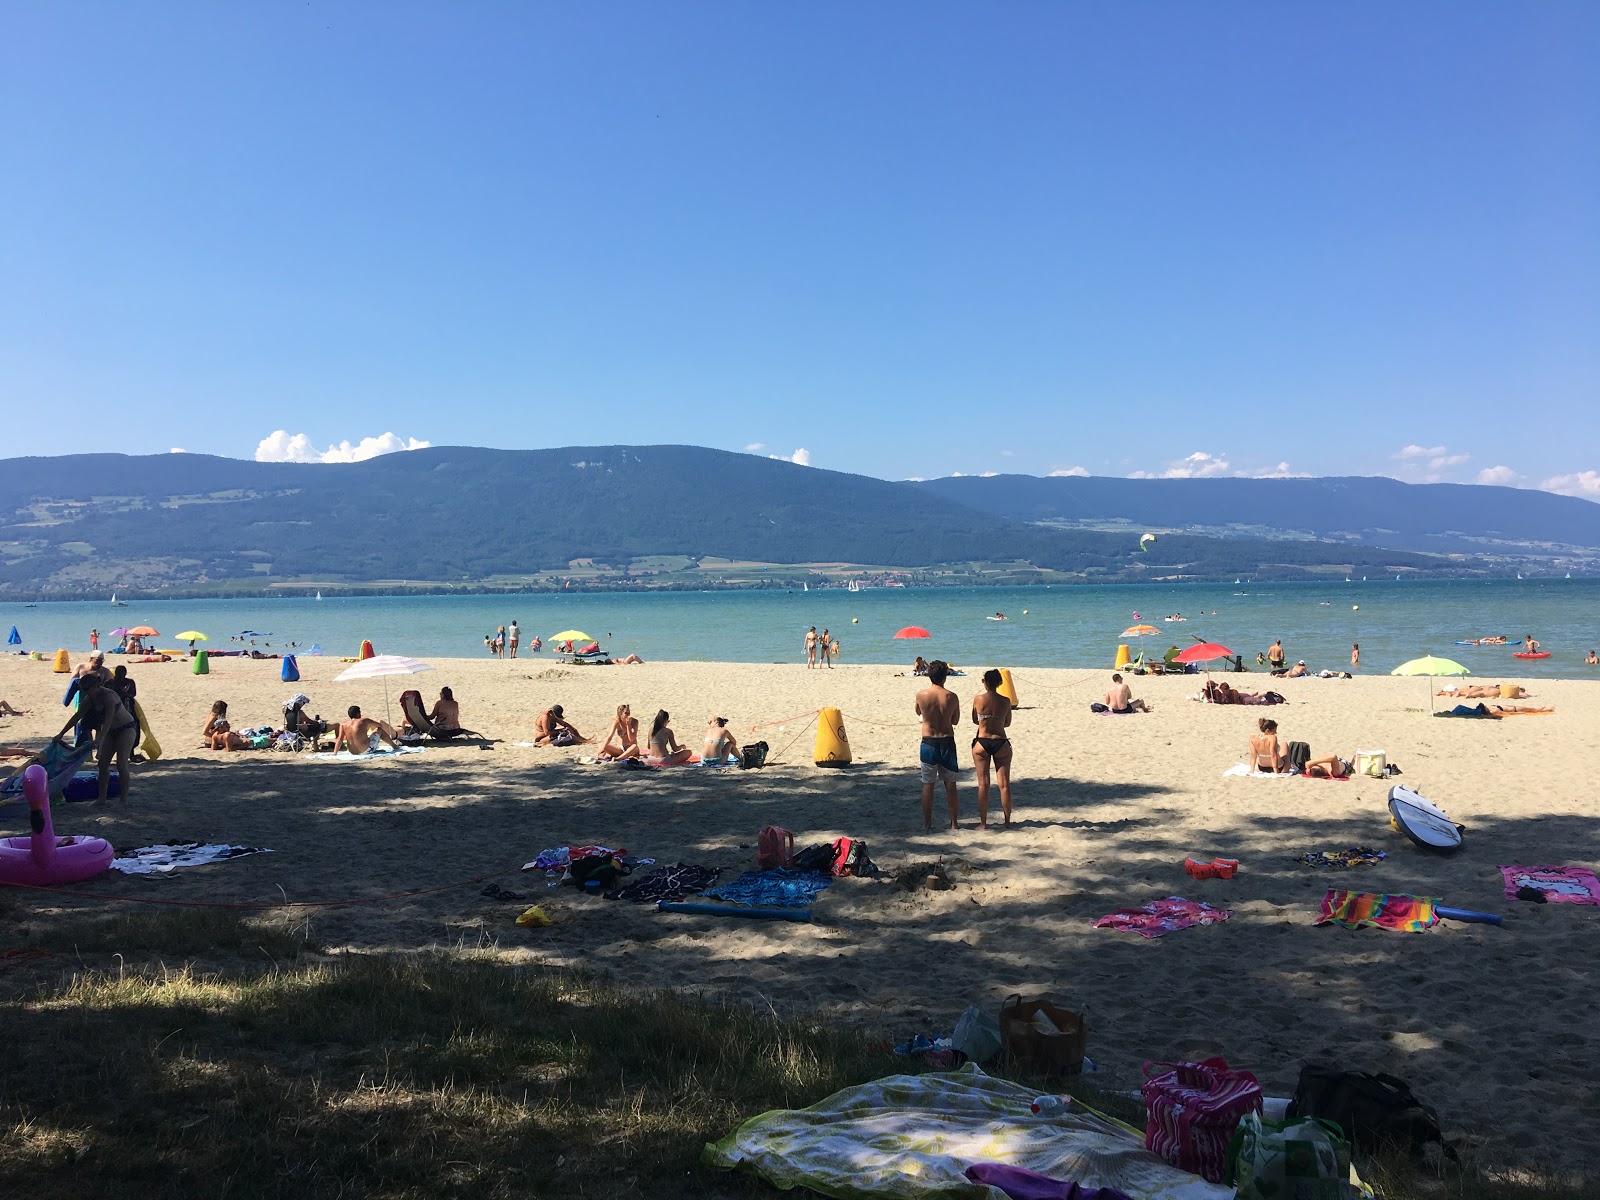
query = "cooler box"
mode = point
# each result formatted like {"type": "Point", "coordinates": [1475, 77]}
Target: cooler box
{"type": "Point", "coordinates": [1371, 762]}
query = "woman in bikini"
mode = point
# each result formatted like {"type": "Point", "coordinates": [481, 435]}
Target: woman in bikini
{"type": "Point", "coordinates": [991, 713]}
{"type": "Point", "coordinates": [218, 734]}
{"type": "Point", "coordinates": [664, 748]}
{"type": "Point", "coordinates": [623, 740]}
{"type": "Point", "coordinates": [101, 710]}
{"type": "Point", "coordinates": [720, 744]}
{"type": "Point", "coordinates": [1265, 752]}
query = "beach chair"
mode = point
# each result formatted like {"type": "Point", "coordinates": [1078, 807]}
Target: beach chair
{"type": "Point", "coordinates": [312, 729]}
{"type": "Point", "coordinates": [416, 716]}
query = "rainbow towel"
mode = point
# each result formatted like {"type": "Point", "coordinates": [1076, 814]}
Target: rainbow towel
{"type": "Point", "coordinates": [1560, 885]}
{"type": "Point", "coordinates": [1408, 914]}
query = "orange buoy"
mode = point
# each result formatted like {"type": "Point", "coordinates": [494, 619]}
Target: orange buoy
{"type": "Point", "coordinates": [366, 649]}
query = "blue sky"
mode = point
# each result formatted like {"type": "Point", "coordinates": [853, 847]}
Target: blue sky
{"type": "Point", "coordinates": [908, 239]}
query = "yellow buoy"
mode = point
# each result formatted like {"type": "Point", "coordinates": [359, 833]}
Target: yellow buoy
{"type": "Point", "coordinates": [833, 747]}
{"type": "Point", "coordinates": [1007, 687]}
{"type": "Point", "coordinates": [1355, 608]}
{"type": "Point", "coordinates": [151, 747]}
{"type": "Point", "coordinates": [63, 663]}
{"type": "Point", "coordinates": [202, 663]}
{"type": "Point", "coordinates": [1024, 612]}
{"type": "Point", "coordinates": [1123, 658]}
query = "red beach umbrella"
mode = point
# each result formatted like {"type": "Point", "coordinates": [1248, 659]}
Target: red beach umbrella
{"type": "Point", "coordinates": [913, 631]}
{"type": "Point", "coordinates": [1203, 652]}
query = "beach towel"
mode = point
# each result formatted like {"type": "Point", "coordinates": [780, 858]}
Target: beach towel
{"type": "Point", "coordinates": [667, 883]}
{"type": "Point", "coordinates": [776, 888]}
{"type": "Point", "coordinates": [1560, 885]}
{"type": "Point", "coordinates": [1355, 856]}
{"type": "Point", "coordinates": [915, 1136]}
{"type": "Point", "coordinates": [559, 858]}
{"type": "Point", "coordinates": [1157, 918]}
{"type": "Point", "coordinates": [169, 856]}
{"type": "Point", "coordinates": [1402, 913]}
{"type": "Point", "coordinates": [1243, 769]}
{"type": "Point", "coordinates": [375, 751]}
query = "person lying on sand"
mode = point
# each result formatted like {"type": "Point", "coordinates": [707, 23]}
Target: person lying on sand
{"type": "Point", "coordinates": [218, 734]}
{"type": "Point", "coordinates": [1331, 767]}
{"type": "Point", "coordinates": [1481, 691]}
{"type": "Point", "coordinates": [357, 734]}
{"type": "Point", "coordinates": [720, 742]}
{"type": "Point", "coordinates": [1119, 698]}
{"type": "Point", "coordinates": [550, 728]}
{"type": "Point", "coordinates": [7, 710]}
{"type": "Point", "coordinates": [622, 740]}
{"type": "Point", "coordinates": [1265, 752]}
{"type": "Point", "coordinates": [664, 748]}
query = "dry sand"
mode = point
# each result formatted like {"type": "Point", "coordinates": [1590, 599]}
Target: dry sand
{"type": "Point", "coordinates": [1495, 1026]}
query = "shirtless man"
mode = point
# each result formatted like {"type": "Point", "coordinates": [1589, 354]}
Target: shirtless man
{"type": "Point", "coordinates": [1529, 645]}
{"type": "Point", "coordinates": [940, 710]}
{"type": "Point", "coordinates": [356, 734]}
{"type": "Point", "coordinates": [991, 713]}
{"type": "Point", "coordinates": [825, 648]}
{"type": "Point", "coordinates": [1276, 656]}
{"type": "Point", "coordinates": [1119, 698]}
{"type": "Point", "coordinates": [550, 728]}
{"type": "Point", "coordinates": [811, 647]}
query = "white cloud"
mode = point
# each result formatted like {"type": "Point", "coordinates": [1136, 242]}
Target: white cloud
{"type": "Point", "coordinates": [1585, 484]}
{"type": "Point", "coordinates": [177, 450]}
{"type": "Point", "coordinates": [1008, 454]}
{"type": "Point", "coordinates": [988, 474]}
{"type": "Point", "coordinates": [801, 457]}
{"type": "Point", "coordinates": [1499, 476]}
{"type": "Point", "coordinates": [1415, 451]}
{"type": "Point", "coordinates": [281, 446]}
{"type": "Point", "coordinates": [1281, 471]}
{"type": "Point", "coordinates": [1198, 465]}
{"type": "Point", "coordinates": [753, 447]}
{"type": "Point", "coordinates": [1427, 463]}
{"type": "Point", "coordinates": [1060, 472]}
{"type": "Point", "coordinates": [916, 479]}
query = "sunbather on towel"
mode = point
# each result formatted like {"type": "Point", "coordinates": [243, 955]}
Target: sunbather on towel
{"type": "Point", "coordinates": [1331, 767]}
{"type": "Point", "coordinates": [1119, 698]}
{"type": "Point", "coordinates": [664, 748]}
{"type": "Point", "coordinates": [1481, 691]}
{"type": "Point", "coordinates": [358, 733]}
{"type": "Point", "coordinates": [622, 741]}
{"type": "Point", "coordinates": [550, 728]}
{"type": "Point", "coordinates": [1265, 752]}
{"type": "Point", "coordinates": [720, 742]}
{"type": "Point", "coordinates": [218, 734]}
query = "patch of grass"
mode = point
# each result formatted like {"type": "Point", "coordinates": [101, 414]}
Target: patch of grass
{"type": "Point", "coordinates": [173, 932]}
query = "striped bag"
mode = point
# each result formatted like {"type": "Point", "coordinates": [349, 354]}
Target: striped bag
{"type": "Point", "coordinates": [1192, 1110]}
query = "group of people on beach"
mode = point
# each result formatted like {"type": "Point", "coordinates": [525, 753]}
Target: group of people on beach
{"type": "Point", "coordinates": [505, 640]}
{"type": "Point", "coordinates": [822, 649]}
{"type": "Point", "coordinates": [660, 747]}
{"type": "Point", "coordinates": [938, 757]}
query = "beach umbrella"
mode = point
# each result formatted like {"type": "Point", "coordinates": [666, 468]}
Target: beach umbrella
{"type": "Point", "coordinates": [1203, 652]}
{"type": "Point", "coordinates": [381, 666]}
{"type": "Point", "coordinates": [123, 632]}
{"type": "Point", "coordinates": [143, 631]}
{"type": "Point", "coordinates": [1431, 667]}
{"type": "Point", "coordinates": [570, 635]}
{"type": "Point", "coordinates": [1141, 632]}
{"type": "Point", "coordinates": [913, 631]}
{"type": "Point", "coordinates": [192, 636]}
{"type": "Point", "coordinates": [15, 639]}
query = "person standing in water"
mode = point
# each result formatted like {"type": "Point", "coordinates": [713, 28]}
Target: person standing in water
{"type": "Point", "coordinates": [1355, 654]}
{"type": "Point", "coordinates": [516, 636]}
{"type": "Point", "coordinates": [811, 647]}
{"type": "Point", "coordinates": [94, 639]}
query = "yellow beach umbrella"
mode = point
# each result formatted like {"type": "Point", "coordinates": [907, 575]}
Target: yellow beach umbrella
{"type": "Point", "coordinates": [570, 635]}
{"type": "Point", "coordinates": [1431, 667]}
{"type": "Point", "coordinates": [192, 636]}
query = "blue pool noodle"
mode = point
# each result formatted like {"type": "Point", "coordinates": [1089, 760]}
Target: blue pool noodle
{"type": "Point", "coordinates": [733, 910]}
{"type": "Point", "coordinates": [1466, 914]}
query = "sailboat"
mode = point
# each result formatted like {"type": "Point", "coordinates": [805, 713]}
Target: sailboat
{"type": "Point", "coordinates": [855, 585]}
{"type": "Point", "coordinates": [319, 595]}
{"type": "Point", "coordinates": [1519, 574]}
{"type": "Point", "coordinates": [115, 603]}
{"type": "Point", "coordinates": [805, 587]}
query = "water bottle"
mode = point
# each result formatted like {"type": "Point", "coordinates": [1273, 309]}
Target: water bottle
{"type": "Point", "coordinates": [1050, 1106]}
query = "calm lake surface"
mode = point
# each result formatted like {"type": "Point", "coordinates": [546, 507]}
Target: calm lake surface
{"type": "Point", "coordinates": [1046, 626]}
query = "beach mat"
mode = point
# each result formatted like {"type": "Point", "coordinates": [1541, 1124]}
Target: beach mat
{"type": "Point", "coordinates": [1560, 885]}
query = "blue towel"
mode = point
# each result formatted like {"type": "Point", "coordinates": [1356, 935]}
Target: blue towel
{"type": "Point", "coordinates": [778, 888]}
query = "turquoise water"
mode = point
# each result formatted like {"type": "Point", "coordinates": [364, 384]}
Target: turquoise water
{"type": "Point", "coordinates": [1055, 626]}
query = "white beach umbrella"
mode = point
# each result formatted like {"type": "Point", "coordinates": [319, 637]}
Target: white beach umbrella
{"type": "Point", "coordinates": [381, 666]}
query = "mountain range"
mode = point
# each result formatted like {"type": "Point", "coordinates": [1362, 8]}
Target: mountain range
{"type": "Point", "coordinates": [464, 516]}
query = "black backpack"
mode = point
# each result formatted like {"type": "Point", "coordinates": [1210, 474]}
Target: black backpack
{"type": "Point", "coordinates": [755, 755]}
{"type": "Point", "coordinates": [602, 868]}
{"type": "Point", "coordinates": [1373, 1110]}
{"type": "Point", "coordinates": [817, 859]}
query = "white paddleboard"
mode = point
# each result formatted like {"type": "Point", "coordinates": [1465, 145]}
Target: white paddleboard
{"type": "Point", "coordinates": [1423, 822]}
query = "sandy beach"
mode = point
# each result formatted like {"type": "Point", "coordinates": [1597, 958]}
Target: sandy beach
{"type": "Point", "coordinates": [1489, 1024]}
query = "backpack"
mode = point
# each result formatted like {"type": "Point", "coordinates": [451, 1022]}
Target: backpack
{"type": "Point", "coordinates": [1373, 1110]}
{"type": "Point", "coordinates": [755, 755]}
{"type": "Point", "coordinates": [850, 858]}
{"type": "Point", "coordinates": [1299, 754]}
{"type": "Point", "coordinates": [774, 847]}
{"type": "Point", "coordinates": [817, 859]}
{"type": "Point", "coordinates": [601, 867]}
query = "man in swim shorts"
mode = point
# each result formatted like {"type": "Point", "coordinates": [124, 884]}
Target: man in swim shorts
{"type": "Point", "coordinates": [940, 710]}
{"type": "Point", "coordinates": [358, 733]}
{"type": "Point", "coordinates": [1119, 697]}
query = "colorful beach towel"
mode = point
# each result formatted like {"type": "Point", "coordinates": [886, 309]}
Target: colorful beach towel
{"type": "Point", "coordinates": [159, 860]}
{"type": "Point", "coordinates": [1161, 917]}
{"type": "Point", "coordinates": [778, 888]}
{"type": "Point", "coordinates": [1355, 856]}
{"type": "Point", "coordinates": [1404, 914]}
{"type": "Point", "coordinates": [559, 858]}
{"type": "Point", "coordinates": [914, 1136]}
{"type": "Point", "coordinates": [1560, 885]}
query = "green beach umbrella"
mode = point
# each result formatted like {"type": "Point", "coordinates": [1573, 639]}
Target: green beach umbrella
{"type": "Point", "coordinates": [1431, 667]}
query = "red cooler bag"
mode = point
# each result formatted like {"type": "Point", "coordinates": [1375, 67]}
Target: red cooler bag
{"type": "Point", "coordinates": [1192, 1110]}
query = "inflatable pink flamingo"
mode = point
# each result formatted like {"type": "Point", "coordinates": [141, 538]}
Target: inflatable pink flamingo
{"type": "Point", "coordinates": [42, 857]}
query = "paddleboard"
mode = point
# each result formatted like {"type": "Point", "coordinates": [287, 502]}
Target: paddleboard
{"type": "Point", "coordinates": [1466, 643]}
{"type": "Point", "coordinates": [1523, 654]}
{"type": "Point", "coordinates": [1422, 821]}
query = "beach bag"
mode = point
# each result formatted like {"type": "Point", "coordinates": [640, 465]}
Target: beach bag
{"type": "Point", "coordinates": [977, 1035]}
{"type": "Point", "coordinates": [817, 859]}
{"type": "Point", "coordinates": [1299, 1159]}
{"type": "Point", "coordinates": [1299, 754]}
{"type": "Point", "coordinates": [755, 755]}
{"type": "Point", "coordinates": [1374, 1111]}
{"type": "Point", "coordinates": [774, 848]}
{"type": "Point", "coordinates": [1097, 707]}
{"type": "Point", "coordinates": [599, 867]}
{"type": "Point", "coordinates": [1191, 1111]}
{"type": "Point", "coordinates": [1038, 1035]}
{"type": "Point", "coordinates": [850, 857]}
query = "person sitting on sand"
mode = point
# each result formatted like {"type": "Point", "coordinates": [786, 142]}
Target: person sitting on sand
{"type": "Point", "coordinates": [720, 742]}
{"type": "Point", "coordinates": [920, 667]}
{"type": "Point", "coordinates": [7, 710]}
{"type": "Point", "coordinates": [218, 734]}
{"type": "Point", "coordinates": [550, 728]}
{"type": "Point", "coordinates": [1119, 698]}
{"type": "Point", "coordinates": [991, 746]}
{"type": "Point", "coordinates": [1331, 767]}
{"type": "Point", "coordinates": [358, 733]}
{"type": "Point", "coordinates": [622, 740]}
{"type": "Point", "coordinates": [117, 732]}
{"type": "Point", "coordinates": [1297, 671]}
{"type": "Point", "coordinates": [1265, 752]}
{"type": "Point", "coordinates": [664, 748]}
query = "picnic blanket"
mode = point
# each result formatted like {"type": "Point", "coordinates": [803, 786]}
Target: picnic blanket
{"type": "Point", "coordinates": [915, 1136]}
{"type": "Point", "coordinates": [778, 888]}
{"type": "Point", "coordinates": [1157, 918]}
{"type": "Point", "coordinates": [169, 856]}
{"type": "Point", "coordinates": [1354, 856]}
{"type": "Point", "coordinates": [1402, 913]}
{"type": "Point", "coordinates": [374, 751]}
{"type": "Point", "coordinates": [1560, 885]}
